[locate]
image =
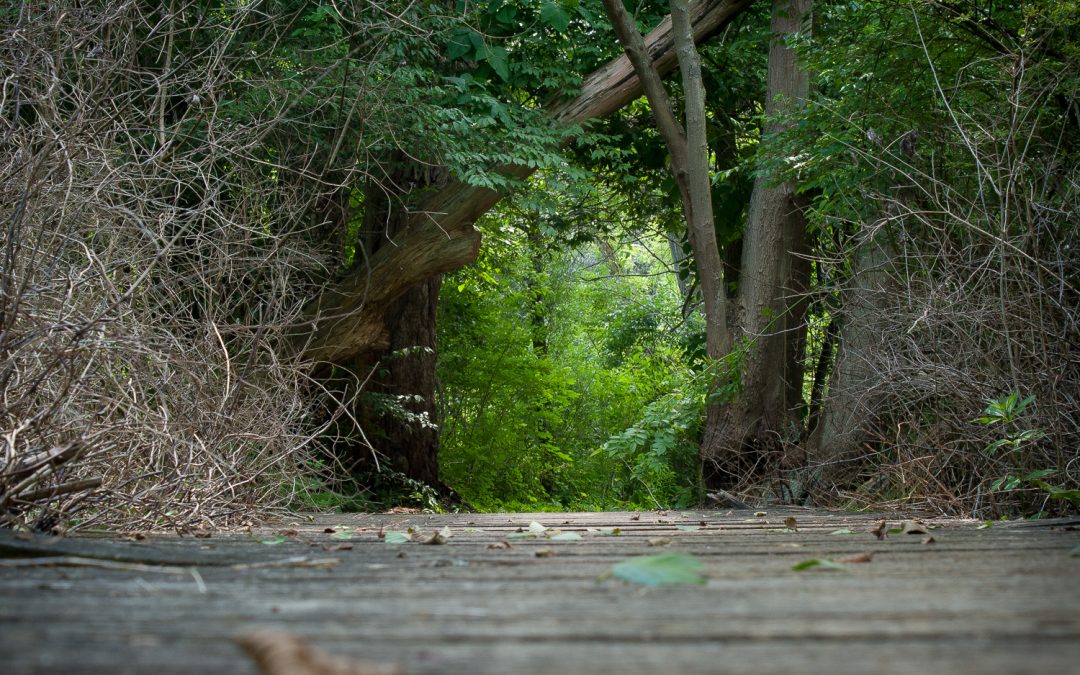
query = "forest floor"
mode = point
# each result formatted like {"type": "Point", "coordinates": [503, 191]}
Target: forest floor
{"type": "Point", "coordinates": [945, 596]}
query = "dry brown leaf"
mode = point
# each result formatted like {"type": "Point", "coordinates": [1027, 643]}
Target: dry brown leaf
{"type": "Point", "coordinates": [790, 523]}
{"type": "Point", "coordinates": [914, 527]}
{"type": "Point", "coordinates": [288, 533]}
{"type": "Point", "coordinates": [500, 545]}
{"type": "Point", "coordinates": [203, 534]}
{"type": "Point", "coordinates": [544, 552]}
{"type": "Point", "coordinates": [857, 558]}
{"type": "Point", "coordinates": [281, 653]}
{"type": "Point", "coordinates": [329, 530]}
{"type": "Point", "coordinates": [440, 537]}
{"type": "Point", "coordinates": [928, 539]}
{"type": "Point", "coordinates": [636, 516]}
{"type": "Point", "coordinates": [879, 531]}
{"type": "Point", "coordinates": [659, 541]}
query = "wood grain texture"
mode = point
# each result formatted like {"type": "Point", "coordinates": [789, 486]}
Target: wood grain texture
{"type": "Point", "coordinates": [1002, 599]}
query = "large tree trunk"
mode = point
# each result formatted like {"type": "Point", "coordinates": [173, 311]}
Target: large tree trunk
{"type": "Point", "coordinates": [399, 379]}
{"type": "Point", "coordinates": [775, 270]}
{"type": "Point", "coordinates": [847, 415]}
{"type": "Point", "coordinates": [349, 318]}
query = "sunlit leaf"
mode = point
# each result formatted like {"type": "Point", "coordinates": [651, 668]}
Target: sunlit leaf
{"type": "Point", "coordinates": [395, 537]}
{"type": "Point", "coordinates": [660, 570]}
{"type": "Point", "coordinates": [688, 528]}
{"type": "Point", "coordinates": [566, 536]}
{"type": "Point", "coordinates": [273, 541]}
{"type": "Point", "coordinates": [344, 535]}
{"type": "Point", "coordinates": [536, 528]}
{"type": "Point", "coordinates": [842, 530]}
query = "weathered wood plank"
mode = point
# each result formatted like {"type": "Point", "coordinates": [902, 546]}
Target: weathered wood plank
{"type": "Point", "coordinates": [1002, 599]}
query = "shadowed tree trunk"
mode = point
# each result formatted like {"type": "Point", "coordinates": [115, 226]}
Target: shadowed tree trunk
{"type": "Point", "coordinates": [774, 277]}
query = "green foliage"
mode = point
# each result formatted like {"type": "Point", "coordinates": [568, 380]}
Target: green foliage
{"type": "Point", "coordinates": [543, 358]}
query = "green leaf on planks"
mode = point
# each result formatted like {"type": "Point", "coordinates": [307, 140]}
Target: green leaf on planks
{"type": "Point", "coordinates": [610, 531]}
{"type": "Point", "coordinates": [842, 530]}
{"type": "Point", "coordinates": [536, 528]}
{"type": "Point", "coordinates": [273, 541]}
{"type": "Point", "coordinates": [395, 537]}
{"type": "Point", "coordinates": [660, 570]}
{"type": "Point", "coordinates": [343, 535]}
{"type": "Point", "coordinates": [820, 564]}
{"type": "Point", "coordinates": [565, 536]}
{"type": "Point", "coordinates": [688, 528]}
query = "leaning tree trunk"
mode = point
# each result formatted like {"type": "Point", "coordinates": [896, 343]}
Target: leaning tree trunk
{"type": "Point", "coordinates": [741, 441]}
{"type": "Point", "coordinates": [361, 318]}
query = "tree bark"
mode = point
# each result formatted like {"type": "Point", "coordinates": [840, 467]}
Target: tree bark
{"type": "Point", "coordinates": [689, 155]}
{"type": "Point", "coordinates": [774, 278]}
{"type": "Point", "coordinates": [349, 318]}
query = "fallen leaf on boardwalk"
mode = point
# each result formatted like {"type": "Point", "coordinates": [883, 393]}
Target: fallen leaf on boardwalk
{"type": "Point", "coordinates": [440, 537]}
{"type": "Point", "coordinates": [688, 528]}
{"type": "Point", "coordinates": [820, 564]}
{"type": "Point", "coordinates": [281, 653]}
{"type": "Point", "coordinates": [913, 527]}
{"type": "Point", "coordinates": [659, 541]}
{"type": "Point", "coordinates": [131, 536]}
{"type": "Point", "coordinates": [395, 537]}
{"type": "Point", "coordinates": [344, 535]}
{"type": "Point", "coordinates": [760, 514]}
{"type": "Point", "coordinates": [928, 540]}
{"type": "Point", "coordinates": [288, 533]}
{"type": "Point", "coordinates": [879, 531]}
{"type": "Point", "coordinates": [202, 534]}
{"type": "Point", "coordinates": [791, 523]}
{"type": "Point", "coordinates": [544, 552]}
{"type": "Point", "coordinates": [636, 516]}
{"type": "Point", "coordinates": [565, 536]}
{"type": "Point", "coordinates": [329, 530]}
{"type": "Point", "coordinates": [857, 558]}
{"type": "Point", "coordinates": [500, 545]}
{"type": "Point", "coordinates": [988, 524]}
{"type": "Point", "coordinates": [660, 570]}
{"type": "Point", "coordinates": [842, 530]}
{"type": "Point", "coordinates": [536, 528]}
{"type": "Point", "coordinates": [337, 547]}
{"type": "Point", "coordinates": [273, 541]}
{"type": "Point", "coordinates": [609, 531]}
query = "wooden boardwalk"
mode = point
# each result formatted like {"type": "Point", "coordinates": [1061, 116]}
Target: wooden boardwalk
{"type": "Point", "coordinates": [999, 599]}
